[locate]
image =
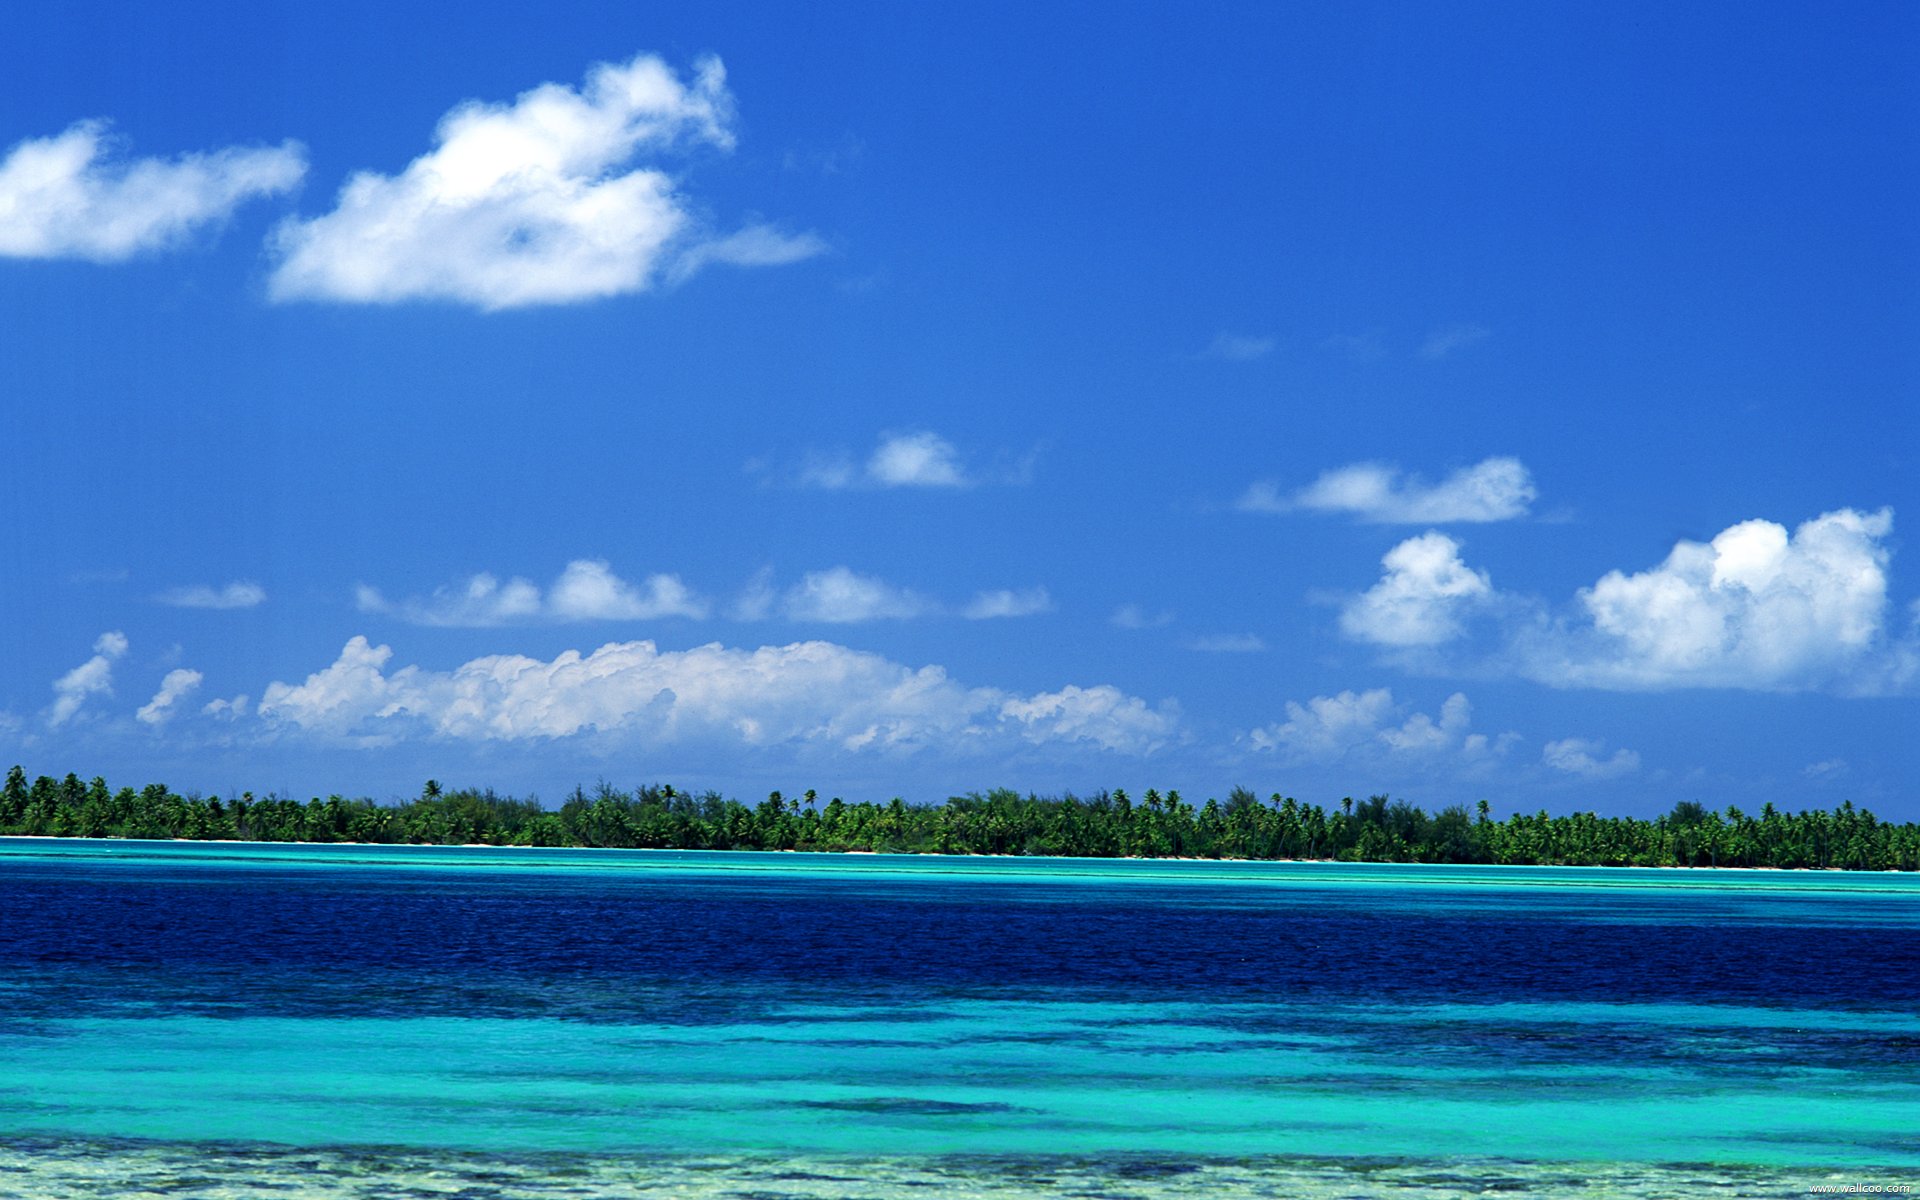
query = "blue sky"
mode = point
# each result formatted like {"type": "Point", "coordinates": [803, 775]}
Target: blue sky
{"type": "Point", "coordinates": [1474, 401]}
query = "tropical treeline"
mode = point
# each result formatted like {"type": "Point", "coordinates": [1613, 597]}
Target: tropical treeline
{"type": "Point", "coordinates": [1108, 824]}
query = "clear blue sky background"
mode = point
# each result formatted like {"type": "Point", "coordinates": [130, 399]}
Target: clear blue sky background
{"type": "Point", "coordinates": [1103, 396]}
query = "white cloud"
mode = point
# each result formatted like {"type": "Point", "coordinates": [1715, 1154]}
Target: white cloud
{"type": "Point", "coordinates": [1422, 597]}
{"type": "Point", "coordinates": [587, 590]}
{"type": "Point", "coordinates": [1238, 347]}
{"type": "Point", "coordinates": [807, 693]}
{"type": "Point", "coordinates": [1756, 607]}
{"type": "Point", "coordinates": [177, 685]}
{"type": "Point", "coordinates": [1449, 338]}
{"type": "Point", "coordinates": [1496, 489]}
{"type": "Point", "coordinates": [90, 678]}
{"type": "Point", "coordinates": [1005, 602]}
{"type": "Point", "coordinates": [841, 596]}
{"type": "Point", "coordinates": [67, 196]}
{"type": "Point", "coordinates": [239, 594]}
{"type": "Point", "coordinates": [1421, 734]}
{"type": "Point", "coordinates": [1581, 756]}
{"type": "Point", "coordinates": [532, 202]}
{"type": "Point", "coordinates": [914, 458]}
{"type": "Point", "coordinates": [1103, 715]}
{"type": "Point", "coordinates": [1228, 643]}
{"type": "Point", "coordinates": [1363, 726]}
{"type": "Point", "coordinates": [1327, 727]}
{"type": "Point", "coordinates": [1132, 616]}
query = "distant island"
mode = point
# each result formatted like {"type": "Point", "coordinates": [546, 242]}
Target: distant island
{"type": "Point", "coordinates": [1108, 824]}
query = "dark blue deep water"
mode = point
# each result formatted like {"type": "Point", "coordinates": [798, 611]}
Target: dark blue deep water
{"type": "Point", "coordinates": [229, 1005]}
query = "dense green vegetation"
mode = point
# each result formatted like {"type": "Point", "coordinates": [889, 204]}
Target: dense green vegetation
{"type": "Point", "coordinates": [1109, 824]}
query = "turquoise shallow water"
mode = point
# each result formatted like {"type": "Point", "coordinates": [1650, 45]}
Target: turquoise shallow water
{"type": "Point", "coordinates": [352, 1019]}
{"type": "Point", "coordinates": [964, 1080]}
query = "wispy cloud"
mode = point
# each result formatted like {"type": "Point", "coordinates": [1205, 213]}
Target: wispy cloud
{"type": "Point", "coordinates": [533, 202]}
{"type": "Point", "coordinates": [1239, 347]}
{"type": "Point", "coordinates": [1132, 616]}
{"type": "Point", "coordinates": [1356, 347]}
{"type": "Point", "coordinates": [239, 594]}
{"type": "Point", "coordinates": [227, 708]}
{"type": "Point", "coordinates": [754, 246]}
{"type": "Point", "coordinates": [91, 678]}
{"type": "Point", "coordinates": [842, 596]}
{"type": "Point", "coordinates": [73, 196]}
{"type": "Point", "coordinates": [1827, 770]}
{"type": "Point", "coordinates": [587, 590]}
{"type": "Point", "coordinates": [108, 575]}
{"type": "Point", "coordinates": [831, 159]}
{"type": "Point", "coordinates": [1006, 602]}
{"type": "Point", "coordinates": [1448, 339]}
{"type": "Point", "coordinates": [1495, 489]}
{"type": "Point", "coordinates": [1228, 643]}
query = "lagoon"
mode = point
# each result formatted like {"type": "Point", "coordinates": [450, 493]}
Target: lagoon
{"type": "Point", "coordinates": [346, 1019]}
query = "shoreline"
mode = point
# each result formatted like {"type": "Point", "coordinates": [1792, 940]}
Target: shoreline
{"type": "Point", "coordinates": [935, 855]}
{"type": "Point", "coordinates": [362, 1172]}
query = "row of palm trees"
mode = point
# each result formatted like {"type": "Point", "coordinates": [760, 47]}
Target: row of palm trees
{"type": "Point", "coordinates": [1107, 824]}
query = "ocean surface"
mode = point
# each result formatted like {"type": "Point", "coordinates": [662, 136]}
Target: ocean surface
{"type": "Point", "coordinates": [187, 1019]}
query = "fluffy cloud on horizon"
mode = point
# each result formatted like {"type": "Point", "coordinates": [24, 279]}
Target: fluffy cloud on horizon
{"type": "Point", "coordinates": [804, 694]}
{"type": "Point", "coordinates": [1495, 489]}
{"type": "Point", "coordinates": [1757, 607]}
{"type": "Point", "coordinates": [1582, 757]}
{"type": "Point", "coordinates": [72, 196]}
{"type": "Point", "coordinates": [1366, 727]}
{"type": "Point", "coordinates": [587, 590]}
{"type": "Point", "coordinates": [529, 202]}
